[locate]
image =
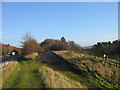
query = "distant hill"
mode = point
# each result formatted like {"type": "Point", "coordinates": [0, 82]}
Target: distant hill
{"type": "Point", "coordinates": [87, 47]}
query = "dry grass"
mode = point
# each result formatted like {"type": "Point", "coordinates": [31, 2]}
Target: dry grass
{"type": "Point", "coordinates": [67, 54]}
{"type": "Point", "coordinates": [54, 79]}
{"type": "Point", "coordinates": [5, 71]}
{"type": "Point", "coordinates": [32, 56]}
{"type": "Point", "coordinates": [108, 72]}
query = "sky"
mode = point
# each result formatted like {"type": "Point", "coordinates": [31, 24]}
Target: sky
{"type": "Point", "coordinates": [86, 23]}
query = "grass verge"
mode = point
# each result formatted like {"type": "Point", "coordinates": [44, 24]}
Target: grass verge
{"type": "Point", "coordinates": [25, 75]}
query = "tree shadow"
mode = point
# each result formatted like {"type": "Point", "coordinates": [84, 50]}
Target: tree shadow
{"type": "Point", "coordinates": [60, 64]}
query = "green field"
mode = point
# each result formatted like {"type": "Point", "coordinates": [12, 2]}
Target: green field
{"type": "Point", "coordinates": [25, 75]}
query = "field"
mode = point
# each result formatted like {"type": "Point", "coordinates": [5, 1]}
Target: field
{"type": "Point", "coordinates": [63, 69]}
{"type": "Point", "coordinates": [93, 72]}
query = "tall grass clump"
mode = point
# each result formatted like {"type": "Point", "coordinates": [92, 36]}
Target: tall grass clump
{"type": "Point", "coordinates": [32, 55]}
{"type": "Point", "coordinates": [54, 79]}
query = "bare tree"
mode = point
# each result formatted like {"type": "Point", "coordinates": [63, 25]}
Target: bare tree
{"type": "Point", "coordinates": [30, 45]}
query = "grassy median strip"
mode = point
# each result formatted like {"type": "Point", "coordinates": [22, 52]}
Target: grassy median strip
{"type": "Point", "coordinates": [25, 75]}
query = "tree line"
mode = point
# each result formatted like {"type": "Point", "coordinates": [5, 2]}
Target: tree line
{"type": "Point", "coordinates": [30, 45]}
{"type": "Point", "coordinates": [112, 49]}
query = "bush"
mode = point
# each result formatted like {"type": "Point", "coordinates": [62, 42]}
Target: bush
{"type": "Point", "coordinates": [59, 46]}
{"type": "Point", "coordinates": [32, 55]}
